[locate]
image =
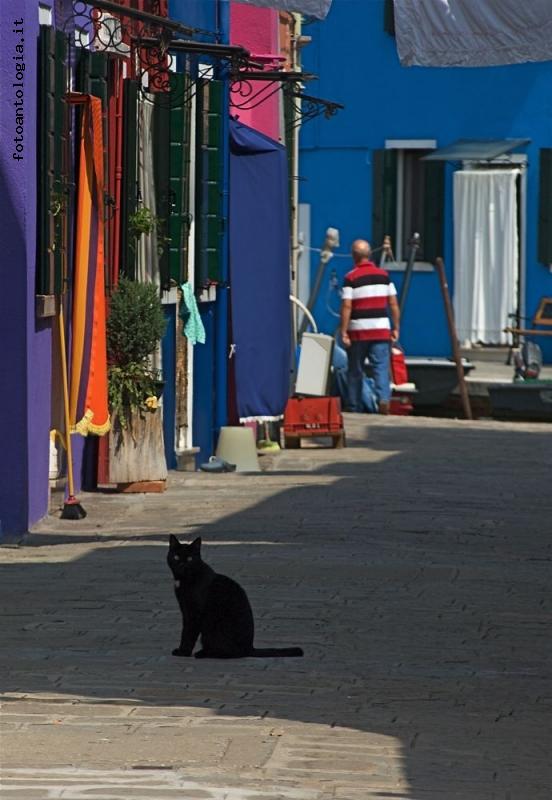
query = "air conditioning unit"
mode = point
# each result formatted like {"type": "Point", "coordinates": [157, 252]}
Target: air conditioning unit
{"type": "Point", "coordinates": [315, 361]}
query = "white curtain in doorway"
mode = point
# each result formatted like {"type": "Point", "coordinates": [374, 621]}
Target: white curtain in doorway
{"type": "Point", "coordinates": [147, 254]}
{"type": "Point", "coordinates": [486, 253]}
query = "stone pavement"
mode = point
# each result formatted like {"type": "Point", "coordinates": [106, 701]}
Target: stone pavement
{"type": "Point", "coordinates": [414, 569]}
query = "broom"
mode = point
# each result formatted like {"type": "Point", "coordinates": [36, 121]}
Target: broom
{"type": "Point", "coordinates": [72, 509]}
{"type": "Point", "coordinates": [267, 443]}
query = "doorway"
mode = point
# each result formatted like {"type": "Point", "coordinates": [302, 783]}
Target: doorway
{"type": "Point", "coordinates": [488, 251]}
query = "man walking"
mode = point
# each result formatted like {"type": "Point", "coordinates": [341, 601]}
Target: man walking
{"type": "Point", "coordinates": [368, 299]}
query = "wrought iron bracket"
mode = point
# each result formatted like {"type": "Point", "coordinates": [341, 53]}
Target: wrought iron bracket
{"type": "Point", "coordinates": [307, 107]}
{"type": "Point", "coordinates": [246, 93]}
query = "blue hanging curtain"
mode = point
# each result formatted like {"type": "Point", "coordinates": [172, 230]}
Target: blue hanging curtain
{"type": "Point", "coordinates": [259, 272]}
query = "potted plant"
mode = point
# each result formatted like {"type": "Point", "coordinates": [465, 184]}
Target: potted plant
{"type": "Point", "coordinates": [135, 326]}
{"type": "Point", "coordinates": [143, 223]}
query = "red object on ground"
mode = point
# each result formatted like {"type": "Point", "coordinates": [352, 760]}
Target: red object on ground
{"type": "Point", "coordinates": [398, 365]}
{"type": "Point", "coordinates": [313, 416]}
{"type": "Point", "coordinates": [401, 404]}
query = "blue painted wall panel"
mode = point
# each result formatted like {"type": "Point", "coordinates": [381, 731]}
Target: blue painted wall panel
{"type": "Point", "coordinates": [168, 354]}
{"type": "Point", "coordinates": [204, 386]}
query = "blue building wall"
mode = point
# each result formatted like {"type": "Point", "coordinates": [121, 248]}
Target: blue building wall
{"type": "Point", "coordinates": [358, 66]}
{"type": "Point", "coordinates": [212, 17]}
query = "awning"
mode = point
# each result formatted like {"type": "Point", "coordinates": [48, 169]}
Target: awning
{"type": "Point", "coordinates": [310, 8]}
{"type": "Point", "coordinates": [476, 149]}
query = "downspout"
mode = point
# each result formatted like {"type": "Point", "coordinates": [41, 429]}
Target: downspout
{"type": "Point", "coordinates": [221, 305]}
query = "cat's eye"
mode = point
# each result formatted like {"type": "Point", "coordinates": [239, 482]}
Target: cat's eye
{"type": "Point", "coordinates": [176, 558]}
{"type": "Point", "coordinates": [190, 558]}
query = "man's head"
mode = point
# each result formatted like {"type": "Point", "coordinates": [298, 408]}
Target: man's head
{"type": "Point", "coordinates": [361, 250]}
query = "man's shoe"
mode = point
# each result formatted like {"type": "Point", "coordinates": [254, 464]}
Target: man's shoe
{"type": "Point", "coordinates": [383, 407]}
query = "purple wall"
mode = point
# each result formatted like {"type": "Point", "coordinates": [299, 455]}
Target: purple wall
{"type": "Point", "coordinates": [25, 343]}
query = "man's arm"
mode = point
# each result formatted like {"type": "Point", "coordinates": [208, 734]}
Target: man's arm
{"type": "Point", "coordinates": [395, 317]}
{"type": "Point", "coordinates": [346, 306]}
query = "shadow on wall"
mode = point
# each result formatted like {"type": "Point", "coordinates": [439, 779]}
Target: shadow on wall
{"type": "Point", "coordinates": [419, 590]}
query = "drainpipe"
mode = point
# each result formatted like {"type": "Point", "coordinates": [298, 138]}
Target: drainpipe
{"type": "Point", "coordinates": [221, 305]}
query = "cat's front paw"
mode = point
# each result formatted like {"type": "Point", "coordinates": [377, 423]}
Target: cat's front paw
{"type": "Point", "coordinates": [182, 653]}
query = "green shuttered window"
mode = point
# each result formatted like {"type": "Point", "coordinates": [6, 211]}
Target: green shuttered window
{"type": "Point", "coordinates": [179, 178]}
{"type": "Point", "coordinates": [53, 205]}
{"type": "Point", "coordinates": [545, 206]}
{"type": "Point", "coordinates": [171, 142]}
{"type": "Point", "coordinates": [210, 224]}
{"type": "Point", "coordinates": [408, 197]}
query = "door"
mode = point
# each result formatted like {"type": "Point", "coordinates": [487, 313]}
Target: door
{"type": "Point", "coordinates": [486, 253]}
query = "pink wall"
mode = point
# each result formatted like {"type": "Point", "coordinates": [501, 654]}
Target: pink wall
{"type": "Point", "coordinates": [257, 29]}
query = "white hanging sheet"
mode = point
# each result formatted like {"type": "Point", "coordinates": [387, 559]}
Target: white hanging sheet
{"type": "Point", "coordinates": [472, 33]}
{"type": "Point", "coordinates": [486, 253]}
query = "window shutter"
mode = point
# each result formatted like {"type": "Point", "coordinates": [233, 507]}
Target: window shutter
{"type": "Point", "coordinates": [52, 200]}
{"type": "Point", "coordinates": [179, 176]}
{"type": "Point", "coordinates": [209, 185]}
{"type": "Point", "coordinates": [389, 17]}
{"type": "Point", "coordinates": [92, 78]}
{"type": "Point", "coordinates": [128, 186]}
{"type": "Point", "coordinates": [545, 206]}
{"type": "Point", "coordinates": [434, 201]}
{"type": "Point", "coordinates": [384, 200]}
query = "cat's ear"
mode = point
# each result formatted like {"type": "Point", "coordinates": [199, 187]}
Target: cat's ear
{"type": "Point", "coordinates": [173, 541]}
{"type": "Point", "coordinates": [196, 544]}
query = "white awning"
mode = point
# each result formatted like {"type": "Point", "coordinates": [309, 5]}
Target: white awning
{"type": "Point", "coordinates": [311, 8]}
{"type": "Point", "coordinates": [476, 149]}
{"type": "Point", "coordinates": [472, 33]}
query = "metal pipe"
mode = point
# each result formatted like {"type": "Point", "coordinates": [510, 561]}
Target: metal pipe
{"type": "Point", "coordinates": [222, 301]}
{"type": "Point", "coordinates": [414, 247]}
{"type": "Point", "coordinates": [305, 311]}
{"type": "Point", "coordinates": [440, 267]}
{"type": "Point", "coordinates": [330, 243]}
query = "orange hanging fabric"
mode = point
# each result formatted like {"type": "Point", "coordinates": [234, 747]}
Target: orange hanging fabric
{"type": "Point", "coordinates": [88, 401]}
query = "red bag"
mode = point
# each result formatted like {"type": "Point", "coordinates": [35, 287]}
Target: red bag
{"type": "Point", "coordinates": [398, 365]}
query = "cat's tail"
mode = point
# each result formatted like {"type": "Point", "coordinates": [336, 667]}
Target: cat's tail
{"type": "Point", "coordinates": [276, 652]}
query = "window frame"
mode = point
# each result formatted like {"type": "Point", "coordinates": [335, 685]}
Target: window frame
{"type": "Point", "coordinates": [400, 148]}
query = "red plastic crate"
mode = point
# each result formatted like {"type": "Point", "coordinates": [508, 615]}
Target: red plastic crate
{"type": "Point", "coordinates": [313, 416]}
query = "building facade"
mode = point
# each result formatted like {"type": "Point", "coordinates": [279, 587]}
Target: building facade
{"type": "Point", "coordinates": [368, 174]}
{"type": "Point", "coordinates": [165, 121]}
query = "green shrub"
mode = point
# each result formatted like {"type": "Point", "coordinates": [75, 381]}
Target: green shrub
{"type": "Point", "coordinates": [135, 326]}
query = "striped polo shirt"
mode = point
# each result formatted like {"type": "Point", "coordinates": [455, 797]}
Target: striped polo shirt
{"type": "Point", "coordinates": [369, 288]}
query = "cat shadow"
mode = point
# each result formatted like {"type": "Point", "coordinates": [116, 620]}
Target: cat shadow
{"type": "Point", "coordinates": [418, 590]}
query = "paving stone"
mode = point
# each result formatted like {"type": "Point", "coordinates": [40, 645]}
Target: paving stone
{"type": "Point", "coordinates": [413, 567]}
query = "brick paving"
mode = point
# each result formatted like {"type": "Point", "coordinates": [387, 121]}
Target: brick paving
{"type": "Point", "coordinates": [413, 567]}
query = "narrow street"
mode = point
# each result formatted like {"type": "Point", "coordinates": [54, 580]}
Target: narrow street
{"type": "Point", "coordinates": [413, 567]}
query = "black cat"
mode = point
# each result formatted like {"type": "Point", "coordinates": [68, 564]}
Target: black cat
{"type": "Point", "coordinates": [215, 607]}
